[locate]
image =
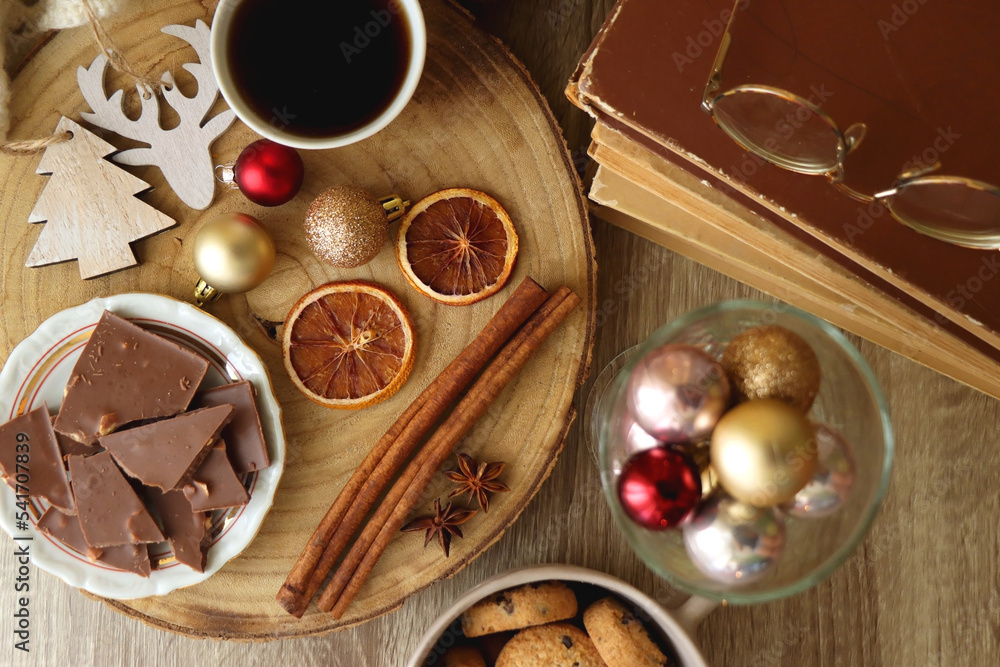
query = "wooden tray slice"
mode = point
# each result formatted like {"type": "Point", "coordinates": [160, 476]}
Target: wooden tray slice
{"type": "Point", "coordinates": [476, 121]}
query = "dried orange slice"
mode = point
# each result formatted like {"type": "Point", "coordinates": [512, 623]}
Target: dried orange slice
{"type": "Point", "coordinates": [457, 246]}
{"type": "Point", "coordinates": [348, 345]}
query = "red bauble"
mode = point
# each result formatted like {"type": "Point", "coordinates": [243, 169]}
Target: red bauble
{"type": "Point", "coordinates": [659, 488]}
{"type": "Point", "coordinates": [268, 174]}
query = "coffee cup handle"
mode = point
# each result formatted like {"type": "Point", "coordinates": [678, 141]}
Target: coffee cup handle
{"type": "Point", "coordinates": [693, 612]}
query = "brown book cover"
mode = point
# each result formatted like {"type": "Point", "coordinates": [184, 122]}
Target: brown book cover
{"type": "Point", "coordinates": [920, 75]}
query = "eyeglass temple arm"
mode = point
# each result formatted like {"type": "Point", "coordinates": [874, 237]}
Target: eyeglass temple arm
{"type": "Point", "coordinates": [836, 178]}
{"type": "Point", "coordinates": [715, 78]}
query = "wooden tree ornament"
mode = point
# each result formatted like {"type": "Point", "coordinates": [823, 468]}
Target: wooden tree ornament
{"type": "Point", "coordinates": [89, 207]}
{"type": "Point", "coordinates": [181, 153]}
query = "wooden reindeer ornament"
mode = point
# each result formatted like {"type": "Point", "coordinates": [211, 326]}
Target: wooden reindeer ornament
{"type": "Point", "coordinates": [181, 153]}
{"type": "Point", "coordinates": [89, 207]}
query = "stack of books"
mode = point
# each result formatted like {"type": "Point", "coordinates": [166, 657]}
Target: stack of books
{"type": "Point", "coordinates": [667, 172]}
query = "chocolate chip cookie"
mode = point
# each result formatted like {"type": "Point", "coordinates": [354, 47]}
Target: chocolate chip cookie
{"type": "Point", "coordinates": [522, 607]}
{"type": "Point", "coordinates": [620, 636]}
{"type": "Point", "coordinates": [553, 645]}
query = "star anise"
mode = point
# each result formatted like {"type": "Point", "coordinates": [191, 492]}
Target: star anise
{"type": "Point", "coordinates": [444, 524]}
{"type": "Point", "coordinates": [476, 481]}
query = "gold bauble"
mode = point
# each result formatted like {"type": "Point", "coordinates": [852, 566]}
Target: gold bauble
{"type": "Point", "coordinates": [763, 452]}
{"type": "Point", "coordinates": [346, 227]}
{"type": "Point", "coordinates": [773, 362]}
{"type": "Point", "coordinates": [233, 253]}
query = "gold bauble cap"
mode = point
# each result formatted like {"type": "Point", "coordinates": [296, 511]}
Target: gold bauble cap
{"type": "Point", "coordinates": [233, 253]}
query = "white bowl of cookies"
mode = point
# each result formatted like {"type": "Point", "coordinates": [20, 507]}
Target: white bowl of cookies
{"type": "Point", "coordinates": [556, 615]}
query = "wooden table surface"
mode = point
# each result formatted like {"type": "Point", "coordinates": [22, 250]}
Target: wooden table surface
{"type": "Point", "coordinates": [922, 589]}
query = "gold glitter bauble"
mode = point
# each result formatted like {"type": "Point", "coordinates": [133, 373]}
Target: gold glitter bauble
{"type": "Point", "coordinates": [346, 227]}
{"type": "Point", "coordinates": [763, 452]}
{"type": "Point", "coordinates": [773, 362]}
{"type": "Point", "coordinates": [233, 253]}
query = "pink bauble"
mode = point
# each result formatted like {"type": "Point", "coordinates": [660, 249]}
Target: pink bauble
{"type": "Point", "coordinates": [659, 488]}
{"type": "Point", "coordinates": [677, 393]}
{"type": "Point", "coordinates": [635, 437]}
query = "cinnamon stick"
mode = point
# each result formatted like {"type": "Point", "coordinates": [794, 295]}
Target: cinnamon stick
{"type": "Point", "coordinates": [367, 537]}
{"type": "Point", "coordinates": [377, 469]}
{"type": "Point", "coordinates": [357, 512]}
{"type": "Point", "coordinates": [407, 491]}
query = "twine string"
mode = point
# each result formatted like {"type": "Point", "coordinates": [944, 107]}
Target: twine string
{"type": "Point", "coordinates": [32, 146]}
{"type": "Point", "coordinates": [119, 62]}
{"type": "Point", "coordinates": [114, 54]}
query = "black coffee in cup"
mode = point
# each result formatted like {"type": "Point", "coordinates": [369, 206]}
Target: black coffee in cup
{"type": "Point", "coordinates": [318, 69]}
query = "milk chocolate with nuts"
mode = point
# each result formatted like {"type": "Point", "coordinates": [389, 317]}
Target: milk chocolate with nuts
{"type": "Point", "coordinates": [123, 375]}
{"type": "Point", "coordinates": [31, 461]}
{"type": "Point", "coordinates": [65, 528]}
{"type": "Point", "coordinates": [245, 444]}
{"type": "Point", "coordinates": [164, 454]}
{"type": "Point", "coordinates": [214, 485]}
{"type": "Point", "coordinates": [111, 514]}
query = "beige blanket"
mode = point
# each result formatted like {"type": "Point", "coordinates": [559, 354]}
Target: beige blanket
{"type": "Point", "coordinates": [21, 20]}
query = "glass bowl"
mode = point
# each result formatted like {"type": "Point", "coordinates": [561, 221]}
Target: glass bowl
{"type": "Point", "coordinates": [850, 400]}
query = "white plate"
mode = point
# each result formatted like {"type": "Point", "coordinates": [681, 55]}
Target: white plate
{"type": "Point", "coordinates": [37, 372]}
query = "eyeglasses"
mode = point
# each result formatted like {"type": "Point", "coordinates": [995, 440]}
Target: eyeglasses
{"type": "Point", "coordinates": [792, 132]}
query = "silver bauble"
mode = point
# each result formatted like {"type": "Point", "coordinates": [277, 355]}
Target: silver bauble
{"type": "Point", "coordinates": [732, 542]}
{"type": "Point", "coordinates": [830, 485]}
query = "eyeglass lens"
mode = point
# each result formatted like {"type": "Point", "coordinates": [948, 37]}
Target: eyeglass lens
{"type": "Point", "coordinates": [950, 210]}
{"type": "Point", "coordinates": [786, 132]}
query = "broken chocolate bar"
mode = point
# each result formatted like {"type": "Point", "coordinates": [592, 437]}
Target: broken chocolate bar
{"type": "Point", "coordinates": [69, 447]}
{"type": "Point", "coordinates": [125, 374]}
{"type": "Point", "coordinates": [165, 453]}
{"type": "Point", "coordinates": [245, 444]}
{"type": "Point", "coordinates": [31, 461]}
{"type": "Point", "coordinates": [214, 485]}
{"type": "Point", "coordinates": [66, 529]}
{"type": "Point", "coordinates": [185, 529]}
{"type": "Point", "coordinates": [111, 514]}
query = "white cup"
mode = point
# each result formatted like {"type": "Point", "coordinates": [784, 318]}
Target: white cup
{"type": "Point", "coordinates": [274, 131]}
{"type": "Point", "coordinates": [677, 626]}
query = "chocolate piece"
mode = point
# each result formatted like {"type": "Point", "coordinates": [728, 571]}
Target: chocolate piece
{"type": "Point", "coordinates": [126, 374]}
{"type": "Point", "coordinates": [185, 529]}
{"type": "Point", "coordinates": [129, 557]}
{"type": "Point", "coordinates": [215, 486]}
{"type": "Point", "coordinates": [165, 453]}
{"type": "Point", "coordinates": [30, 436]}
{"type": "Point", "coordinates": [70, 447]}
{"type": "Point", "coordinates": [244, 437]}
{"type": "Point", "coordinates": [66, 529]}
{"type": "Point", "coordinates": [110, 512]}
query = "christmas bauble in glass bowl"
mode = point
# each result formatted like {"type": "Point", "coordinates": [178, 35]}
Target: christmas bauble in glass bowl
{"type": "Point", "coordinates": [788, 548]}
